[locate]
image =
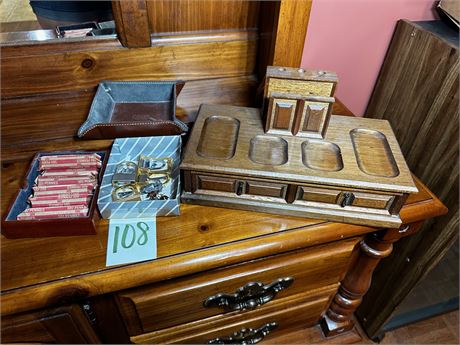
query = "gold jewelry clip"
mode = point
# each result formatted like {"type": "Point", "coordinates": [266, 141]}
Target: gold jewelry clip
{"type": "Point", "coordinates": [129, 192]}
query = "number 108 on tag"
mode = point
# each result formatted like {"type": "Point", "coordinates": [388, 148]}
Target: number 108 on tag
{"type": "Point", "coordinates": [131, 240]}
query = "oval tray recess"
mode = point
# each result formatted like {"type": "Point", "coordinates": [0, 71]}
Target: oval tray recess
{"type": "Point", "coordinates": [373, 153]}
{"type": "Point", "coordinates": [218, 137]}
{"type": "Point", "coordinates": [268, 150]}
{"type": "Point", "coordinates": [321, 155]}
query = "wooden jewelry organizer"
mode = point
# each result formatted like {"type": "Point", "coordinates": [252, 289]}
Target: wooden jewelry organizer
{"type": "Point", "coordinates": [356, 174]}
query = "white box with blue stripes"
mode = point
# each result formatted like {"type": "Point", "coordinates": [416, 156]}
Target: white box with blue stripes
{"type": "Point", "coordinates": [142, 178]}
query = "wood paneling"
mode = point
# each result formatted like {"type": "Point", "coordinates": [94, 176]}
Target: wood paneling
{"type": "Point", "coordinates": [25, 115]}
{"type": "Point", "coordinates": [132, 22]}
{"type": "Point", "coordinates": [292, 28]}
{"type": "Point", "coordinates": [268, 24]}
{"type": "Point", "coordinates": [85, 69]}
{"type": "Point", "coordinates": [282, 27]}
{"type": "Point", "coordinates": [417, 91]}
{"type": "Point", "coordinates": [201, 15]}
{"type": "Point", "coordinates": [28, 48]}
{"type": "Point", "coordinates": [30, 123]}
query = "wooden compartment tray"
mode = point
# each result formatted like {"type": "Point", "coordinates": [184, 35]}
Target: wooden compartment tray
{"type": "Point", "coordinates": [357, 174]}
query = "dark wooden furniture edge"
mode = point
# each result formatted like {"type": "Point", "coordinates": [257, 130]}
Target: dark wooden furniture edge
{"type": "Point", "coordinates": [373, 248]}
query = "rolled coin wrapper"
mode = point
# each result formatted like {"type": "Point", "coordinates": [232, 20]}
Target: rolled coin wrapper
{"type": "Point", "coordinates": [59, 201]}
{"type": "Point", "coordinates": [71, 156]}
{"type": "Point", "coordinates": [53, 212]}
{"type": "Point", "coordinates": [55, 181]}
{"type": "Point", "coordinates": [62, 165]}
{"type": "Point", "coordinates": [60, 196]}
{"type": "Point", "coordinates": [62, 189]}
{"type": "Point", "coordinates": [69, 173]}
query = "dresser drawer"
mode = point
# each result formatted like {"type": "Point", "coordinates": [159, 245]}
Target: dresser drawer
{"type": "Point", "coordinates": [235, 288]}
{"type": "Point", "coordinates": [61, 325]}
{"type": "Point", "coordinates": [285, 315]}
{"type": "Point", "coordinates": [339, 198]}
{"type": "Point", "coordinates": [231, 186]}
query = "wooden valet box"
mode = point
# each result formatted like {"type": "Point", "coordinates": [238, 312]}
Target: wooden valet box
{"type": "Point", "coordinates": [297, 101]}
{"type": "Point", "coordinates": [357, 174]}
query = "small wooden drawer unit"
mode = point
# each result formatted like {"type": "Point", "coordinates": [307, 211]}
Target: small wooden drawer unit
{"type": "Point", "coordinates": [303, 117]}
{"type": "Point", "coordinates": [298, 102]}
{"type": "Point", "coordinates": [235, 289]}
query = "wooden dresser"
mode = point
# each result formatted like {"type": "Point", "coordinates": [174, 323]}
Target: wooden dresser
{"type": "Point", "coordinates": [267, 275]}
{"type": "Point", "coordinates": [288, 274]}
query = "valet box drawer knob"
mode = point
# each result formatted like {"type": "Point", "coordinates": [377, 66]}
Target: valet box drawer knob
{"type": "Point", "coordinates": [239, 187]}
{"type": "Point", "coordinates": [347, 199]}
{"type": "Point", "coordinates": [249, 296]}
{"type": "Point", "coordinates": [247, 335]}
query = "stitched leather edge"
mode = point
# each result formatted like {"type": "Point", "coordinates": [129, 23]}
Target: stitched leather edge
{"type": "Point", "coordinates": [130, 124]}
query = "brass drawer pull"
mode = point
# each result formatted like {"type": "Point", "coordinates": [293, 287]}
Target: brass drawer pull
{"type": "Point", "coordinates": [249, 296]}
{"type": "Point", "coordinates": [246, 335]}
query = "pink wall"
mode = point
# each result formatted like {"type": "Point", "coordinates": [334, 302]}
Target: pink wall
{"type": "Point", "coordinates": [351, 37]}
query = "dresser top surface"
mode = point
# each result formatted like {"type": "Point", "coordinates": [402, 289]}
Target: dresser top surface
{"type": "Point", "coordinates": [356, 153]}
{"type": "Point", "coordinates": [200, 238]}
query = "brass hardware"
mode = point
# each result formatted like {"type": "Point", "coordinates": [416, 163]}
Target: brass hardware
{"type": "Point", "coordinates": [249, 296]}
{"type": "Point", "coordinates": [247, 335]}
{"type": "Point", "coordinates": [347, 199]}
{"type": "Point", "coordinates": [125, 173]}
{"type": "Point", "coordinates": [141, 181]}
{"type": "Point", "coordinates": [128, 192]}
{"type": "Point", "coordinates": [239, 187]}
{"type": "Point", "coordinates": [154, 166]}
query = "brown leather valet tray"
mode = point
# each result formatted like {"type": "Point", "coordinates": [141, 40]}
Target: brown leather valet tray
{"type": "Point", "coordinates": [122, 109]}
{"type": "Point", "coordinates": [13, 228]}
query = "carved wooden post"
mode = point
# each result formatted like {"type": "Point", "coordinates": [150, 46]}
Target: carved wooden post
{"type": "Point", "coordinates": [372, 249]}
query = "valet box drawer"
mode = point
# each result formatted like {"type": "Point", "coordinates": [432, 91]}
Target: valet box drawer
{"type": "Point", "coordinates": [347, 198]}
{"type": "Point", "coordinates": [236, 288]}
{"type": "Point", "coordinates": [260, 325]}
{"type": "Point", "coordinates": [245, 188]}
